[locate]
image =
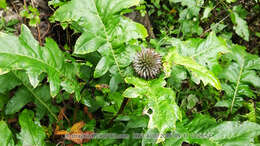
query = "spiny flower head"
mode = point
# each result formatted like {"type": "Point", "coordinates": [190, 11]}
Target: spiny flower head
{"type": "Point", "coordinates": [147, 63]}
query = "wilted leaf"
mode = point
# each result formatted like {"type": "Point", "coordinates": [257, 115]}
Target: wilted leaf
{"type": "Point", "coordinates": [75, 134]}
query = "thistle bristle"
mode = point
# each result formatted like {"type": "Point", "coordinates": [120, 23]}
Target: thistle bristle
{"type": "Point", "coordinates": [147, 64]}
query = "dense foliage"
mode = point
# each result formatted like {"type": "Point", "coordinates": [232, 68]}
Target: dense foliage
{"type": "Point", "coordinates": [197, 84]}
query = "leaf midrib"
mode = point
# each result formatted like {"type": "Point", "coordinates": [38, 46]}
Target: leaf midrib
{"type": "Point", "coordinates": [31, 58]}
{"type": "Point", "coordinates": [110, 46]}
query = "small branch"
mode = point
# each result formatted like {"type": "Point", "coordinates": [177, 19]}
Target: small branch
{"type": "Point", "coordinates": [48, 29]}
{"type": "Point", "coordinates": [202, 35]}
{"type": "Point", "coordinates": [39, 34]}
{"type": "Point", "coordinates": [122, 107]}
{"type": "Point", "coordinates": [90, 116]}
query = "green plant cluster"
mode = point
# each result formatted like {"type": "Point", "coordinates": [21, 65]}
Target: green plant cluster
{"type": "Point", "coordinates": [208, 91]}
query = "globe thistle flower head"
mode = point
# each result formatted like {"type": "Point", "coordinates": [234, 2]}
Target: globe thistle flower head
{"type": "Point", "coordinates": [147, 63]}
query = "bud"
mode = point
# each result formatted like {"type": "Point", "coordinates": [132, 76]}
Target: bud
{"type": "Point", "coordinates": [147, 64]}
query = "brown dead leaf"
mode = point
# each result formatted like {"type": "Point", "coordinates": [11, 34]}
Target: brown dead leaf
{"type": "Point", "coordinates": [101, 86]}
{"type": "Point", "coordinates": [76, 134]}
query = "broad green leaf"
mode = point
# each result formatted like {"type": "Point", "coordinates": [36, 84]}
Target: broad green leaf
{"type": "Point", "coordinates": [189, 102]}
{"type": "Point", "coordinates": [198, 56]}
{"type": "Point", "coordinates": [43, 93]}
{"type": "Point", "coordinates": [240, 25]}
{"type": "Point", "coordinates": [205, 131]}
{"type": "Point", "coordinates": [206, 12]}
{"type": "Point", "coordinates": [165, 112]}
{"type": "Point", "coordinates": [189, 3]}
{"type": "Point", "coordinates": [6, 138]}
{"type": "Point", "coordinates": [26, 53]}
{"type": "Point", "coordinates": [241, 73]}
{"type": "Point", "coordinates": [3, 101]}
{"type": "Point", "coordinates": [103, 66]}
{"type": "Point", "coordinates": [205, 52]}
{"type": "Point", "coordinates": [40, 96]}
{"type": "Point", "coordinates": [161, 101]}
{"type": "Point", "coordinates": [231, 1]}
{"type": "Point", "coordinates": [32, 134]}
{"type": "Point", "coordinates": [102, 27]}
{"type": "Point", "coordinates": [177, 76]}
{"type": "Point", "coordinates": [252, 115]}
{"type": "Point", "coordinates": [21, 98]}
{"type": "Point", "coordinates": [197, 70]}
{"type": "Point", "coordinates": [3, 4]}
{"type": "Point", "coordinates": [189, 17]}
{"type": "Point", "coordinates": [8, 81]}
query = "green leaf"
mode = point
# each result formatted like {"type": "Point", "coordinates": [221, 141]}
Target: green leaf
{"type": "Point", "coordinates": [198, 56]}
{"type": "Point", "coordinates": [103, 66]}
{"type": "Point", "coordinates": [197, 70]}
{"type": "Point", "coordinates": [205, 131]}
{"type": "Point", "coordinates": [241, 72]}
{"type": "Point", "coordinates": [41, 96]}
{"type": "Point", "coordinates": [20, 99]}
{"type": "Point", "coordinates": [206, 12]}
{"type": "Point", "coordinates": [231, 1]}
{"type": "Point", "coordinates": [8, 81]}
{"type": "Point", "coordinates": [177, 76]}
{"type": "Point", "coordinates": [189, 3]}
{"type": "Point", "coordinates": [31, 133]}
{"type": "Point", "coordinates": [165, 112]}
{"type": "Point", "coordinates": [26, 53]}
{"type": "Point", "coordinates": [3, 4]}
{"type": "Point", "coordinates": [205, 52]}
{"type": "Point", "coordinates": [102, 27]}
{"type": "Point", "coordinates": [6, 138]}
{"type": "Point", "coordinates": [3, 101]}
{"type": "Point", "coordinates": [161, 101]}
{"type": "Point", "coordinates": [189, 101]}
{"type": "Point", "coordinates": [240, 25]}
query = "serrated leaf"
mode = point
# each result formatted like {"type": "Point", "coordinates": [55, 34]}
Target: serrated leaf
{"type": "Point", "coordinates": [205, 131]}
{"type": "Point", "coordinates": [103, 29]}
{"type": "Point", "coordinates": [203, 54]}
{"type": "Point", "coordinates": [161, 101]}
{"type": "Point", "coordinates": [199, 71]}
{"type": "Point", "coordinates": [21, 98]}
{"type": "Point", "coordinates": [31, 133]}
{"type": "Point", "coordinates": [165, 112]}
{"type": "Point", "coordinates": [241, 72]}
{"type": "Point", "coordinates": [6, 138]}
{"type": "Point", "coordinates": [26, 53]}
